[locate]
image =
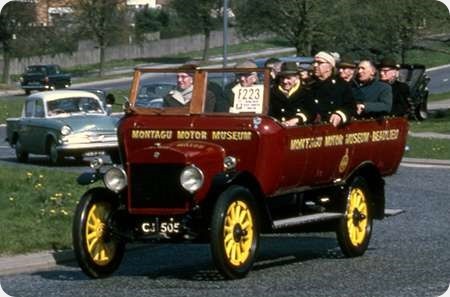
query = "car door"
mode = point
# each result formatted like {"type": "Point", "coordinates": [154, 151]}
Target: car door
{"type": "Point", "coordinates": [24, 126]}
{"type": "Point", "coordinates": [38, 127]}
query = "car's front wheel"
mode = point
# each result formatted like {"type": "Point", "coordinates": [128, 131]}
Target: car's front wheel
{"type": "Point", "coordinates": [355, 228]}
{"type": "Point", "coordinates": [21, 154]}
{"type": "Point", "coordinates": [234, 232]}
{"type": "Point", "coordinates": [55, 156]}
{"type": "Point", "coordinates": [97, 250]}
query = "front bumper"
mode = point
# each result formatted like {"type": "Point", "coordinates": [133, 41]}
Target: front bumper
{"type": "Point", "coordinates": [83, 143]}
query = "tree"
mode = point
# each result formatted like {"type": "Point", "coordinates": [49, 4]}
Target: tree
{"type": "Point", "coordinates": [150, 20]}
{"type": "Point", "coordinates": [199, 15]}
{"type": "Point", "coordinates": [15, 18]}
{"type": "Point", "coordinates": [101, 20]}
{"type": "Point", "coordinates": [300, 22]}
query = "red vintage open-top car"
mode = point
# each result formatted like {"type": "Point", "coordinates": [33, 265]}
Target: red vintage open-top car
{"type": "Point", "coordinates": [228, 175]}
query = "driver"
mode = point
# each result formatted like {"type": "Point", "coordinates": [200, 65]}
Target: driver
{"type": "Point", "coordinates": [181, 96]}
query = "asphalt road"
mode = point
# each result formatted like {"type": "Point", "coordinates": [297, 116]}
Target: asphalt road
{"type": "Point", "coordinates": [440, 79]}
{"type": "Point", "coordinates": [408, 256]}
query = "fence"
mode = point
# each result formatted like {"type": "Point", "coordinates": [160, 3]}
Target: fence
{"type": "Point", "coordinates": [89, 54]}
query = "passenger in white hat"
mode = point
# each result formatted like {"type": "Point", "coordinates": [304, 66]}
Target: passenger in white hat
{"type": "Point", "coordinates": [331, 98]}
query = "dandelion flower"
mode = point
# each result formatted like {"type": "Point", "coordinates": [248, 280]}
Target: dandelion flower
{"type": "Point", "coordinates": [64, 212]}
{"type": "Point", "coordinates": [29, 174]}
{"type": "Point", "coordinates": [11, 198]}
{"type": "Point", "coordinates": [52, 211]}
{"type": "Point", "coordinates": [41, 176]}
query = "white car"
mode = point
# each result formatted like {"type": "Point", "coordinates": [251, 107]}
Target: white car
{"type": "Point", "coordinates": [63, 123]}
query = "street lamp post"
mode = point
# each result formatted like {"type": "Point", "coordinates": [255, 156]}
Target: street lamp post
{"type": "Point", "coordinates": [225, 32]}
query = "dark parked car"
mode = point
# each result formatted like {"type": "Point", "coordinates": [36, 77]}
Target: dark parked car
{"type": "Point", "coordinates": [151, 95]}
{"type": "Point", "coordinates": [414, 75]}
{"type": "Point", "coordinates": [44, 77]}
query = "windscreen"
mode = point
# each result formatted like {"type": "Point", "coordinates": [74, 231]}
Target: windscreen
{"type": "Point", "coordinates": [74, 105]}
{"type": "Point", "coordinates": [226, 91]}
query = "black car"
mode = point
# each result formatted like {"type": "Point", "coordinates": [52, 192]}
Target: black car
{"type": "Point", "coordinates": [44, 77]}
{"type": "Point", "coordinates": [415, 77]}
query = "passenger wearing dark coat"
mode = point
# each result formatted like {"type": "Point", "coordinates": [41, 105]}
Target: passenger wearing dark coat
{"type": "Point", "coordinates": [373, 97]}
{"type": "Point", "coordinates": [389, 71]}
{"type": "Point", "coordinates": [401, 105]}
{"type": "Point", "coordinates": [330, 98]}
{"type": "Point", "coordinates": [287, 97]}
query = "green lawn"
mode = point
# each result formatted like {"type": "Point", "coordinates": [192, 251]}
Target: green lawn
{"type": "Point", "coordinates": [440, 123]}
{"type": "Point", "coordinates": [36, 209]}
{"type": "Point", "coordinates": [428, 148]}
{"type": "Point", "coordinates": [440, 96]}
{"type": "Point", "coordinates": [10, 107]}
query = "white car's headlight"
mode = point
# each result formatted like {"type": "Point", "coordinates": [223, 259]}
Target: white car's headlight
{"type": "Point", "coordinates": [65, 130]}
{"type": "Point", "coordinates": [115, 179]}
{"type": "Point", "coordinates": [191, 178]}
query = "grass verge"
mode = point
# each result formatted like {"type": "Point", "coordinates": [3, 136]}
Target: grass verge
{"type": "Point", "coordinates": [10, 107]}
{"type": "Point", "coordinates": [439, 123]}
{"type": "Point", "coordinates": [428, 148]}
{"type": "Point", "coordinates": [36, 209]}
{"type": "Point", "coordinates": [440, 96]}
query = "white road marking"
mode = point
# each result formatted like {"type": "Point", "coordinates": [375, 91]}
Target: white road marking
{"type": "Point", "coordinates": [415, 165]}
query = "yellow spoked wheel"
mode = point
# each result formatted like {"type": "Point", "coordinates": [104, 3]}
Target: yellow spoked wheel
{"type": "Point", "coordinates": [356, 227]}
{"type": "Point", "coordinates": [357, 214]}
{"type": "Point", "coordinates": [100, 249]}
{"type": "Point", "coordinates": [97, 251]}
{"type": "Point", "coordinates": [238, 233]}
{"type": "Point", "coordinates": [234, 232]}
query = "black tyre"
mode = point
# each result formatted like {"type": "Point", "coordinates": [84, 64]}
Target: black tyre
{"type": "Point", "coordinates": [27, 92]}
{"type": "Point", "coordinates": [21, 154]}
{"type": "Point", "coordinates": [98, 252]}
{"type": "Point", "coordinates": [54, 155]}
{"type": "Point", "coordinates": [421, 112]}
{"type": "Point", "coordinates": [234, 232]}
{"type": "Point", "coordinates": [355, 228]}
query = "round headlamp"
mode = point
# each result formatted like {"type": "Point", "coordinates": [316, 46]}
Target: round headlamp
{"type": "Point", "coordinates": [96, 163]}
{"type": "Point", "coordinates": [115, 179]}
{"type": "Point", "coordinates": [191, 178]}
{"type": "Point", "coordinates": [65, 130]}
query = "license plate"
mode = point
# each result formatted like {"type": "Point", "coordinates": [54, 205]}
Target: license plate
{"type": "Point", "coordinates": [94, 154]}
{"type": "Point", "coordinates": [158, 226]}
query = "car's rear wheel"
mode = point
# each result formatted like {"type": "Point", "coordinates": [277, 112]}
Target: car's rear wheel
{"type": "Point", "coordinates": [98, 252]}
{"type": "Point", "coordinates": [355, 228]}
{"type": "Point", "coordinates": [55, 156]}
{"type": "Point", "coordinates": [21, 154]}
{"type": "Point", "coordinates": [234, 232]}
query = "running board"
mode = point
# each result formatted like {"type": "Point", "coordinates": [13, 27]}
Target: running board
{"type": "Point", "coordinates": [390, 212]}
{"type": "Point", "coordinates": [306, 219]}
